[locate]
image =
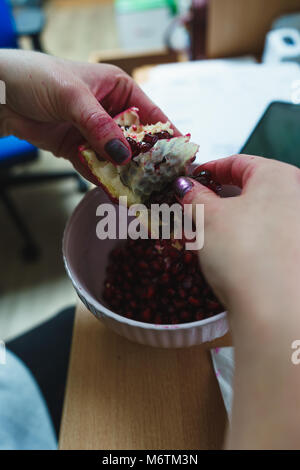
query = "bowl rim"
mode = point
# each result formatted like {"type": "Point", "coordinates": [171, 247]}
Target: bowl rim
{"type": "Point", "coordinates": [98, 305]}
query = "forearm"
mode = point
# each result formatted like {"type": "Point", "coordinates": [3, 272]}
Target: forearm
{"type": "Point", "coordinates": [266, 405]}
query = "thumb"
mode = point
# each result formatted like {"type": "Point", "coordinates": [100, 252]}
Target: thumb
{"type": "Point", "coordinates": [99, 129]}
{"type": "Point", "coordinates": [189, 191]}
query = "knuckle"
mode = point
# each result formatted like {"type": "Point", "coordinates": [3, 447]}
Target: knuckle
{"type": "Point", "coordinates": [69, 92]}
{"type": "Point", "coordinates": [154, 111]}
{"type": "Point", "coordinates": [98, 123]}
{"type": "Point", "coordinates": [114, 69]}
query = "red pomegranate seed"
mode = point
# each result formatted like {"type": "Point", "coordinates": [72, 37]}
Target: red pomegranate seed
{"type": "Point", "coordinates": [165, 278]}
{"type": "Point", "coordinates": [188, 258]}
{"type": "Point", "coordinates": [184, 316]}
{"type": "Point", "coordinates": [187, 283]}
{"type": "Point", "coordinates": [150, 292]}
{"type": "Point", "coordinates": [156, 266]}
{"type": "Point", "coordinates": [179, 304]}
{"type": "Point", "coordinates": [146, 314]}
{"type": "Point", "coordinates": [151, 281]}
{"type": "Point", "coordinates": [143, 265]}
{"type": "Point", "coordinates": [163, 135]}
{"type": "Point", "coordinates": [199, 316]}
{"type": "Point", "coordinates": [134, 145]}
{"type": "Point", "coordinates": [193, 301]}
{"type": "Point", "coordinates": [182, 293]}
{"type": "Point", "coordinates": [171, 292]}
{"type": "Point", "coordinates": [147, 143]}
{"type": "Point", "coordinates": [144, 147]}
{"type": "Point", "coordinates": [204, 177]}
{"type": "Point", "coordinates": [212, 305]}
{"type": "Point", "coordinates": [150, 139]}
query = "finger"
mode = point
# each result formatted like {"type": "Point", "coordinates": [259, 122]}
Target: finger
{"type": "Point", "coordinates": [189, 191]}
{"type": "Point", "coordinates": [98, 128]}
{"type": "Point", "coordinates": [149, 112]}
{"type": "Point", "coordinates": [235, 170]}
{"type": "Point", "coordinates": [60, 139]}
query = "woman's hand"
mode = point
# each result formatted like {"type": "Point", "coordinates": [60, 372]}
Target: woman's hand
{"type": "Point", "coordinates": [251, 258]}
{"type": "Point", "coordinates": [253, 240]}
{"type": "Point", "coordinates": [57, 104]}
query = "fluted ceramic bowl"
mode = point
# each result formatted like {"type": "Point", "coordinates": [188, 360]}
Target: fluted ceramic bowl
{"type": "Point", "coordinates": [86, 257]}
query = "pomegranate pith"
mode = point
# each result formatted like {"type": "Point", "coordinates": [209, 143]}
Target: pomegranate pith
{"type": "Point", "coordinates": [150, 281]}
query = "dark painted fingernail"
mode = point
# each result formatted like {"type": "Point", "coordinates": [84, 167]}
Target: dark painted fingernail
{"type": "Point", "coordinates": [182, 186]}
{"type": "Point", "coordinates": [117, 151]}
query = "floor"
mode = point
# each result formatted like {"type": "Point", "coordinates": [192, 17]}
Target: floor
{"type": "Point", "coordinates": [31, 293]}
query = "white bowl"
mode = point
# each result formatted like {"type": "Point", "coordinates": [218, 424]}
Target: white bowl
{"type": "Point", "coordinates": [85, 258]}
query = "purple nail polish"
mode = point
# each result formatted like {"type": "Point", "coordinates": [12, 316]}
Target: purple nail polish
{"type": "Point", "coordinates": [118, 152]}
{"type": "Point", "coordinates": [182, 186]}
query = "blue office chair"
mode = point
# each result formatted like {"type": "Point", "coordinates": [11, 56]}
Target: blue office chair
{"type": "Point", "coordinates": [14, 151]}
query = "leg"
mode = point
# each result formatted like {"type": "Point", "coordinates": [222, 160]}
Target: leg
{"type": "Point", "coordinates": [45, 350]}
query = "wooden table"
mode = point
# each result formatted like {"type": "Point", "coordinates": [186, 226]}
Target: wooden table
{"type": "Point", "coordinates": [122, 395]}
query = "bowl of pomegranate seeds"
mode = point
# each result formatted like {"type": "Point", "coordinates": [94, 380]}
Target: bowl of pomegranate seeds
{"type": "Point", "coordinates": [150, 291]}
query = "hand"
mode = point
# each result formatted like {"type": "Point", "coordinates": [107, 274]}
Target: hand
{"type": "Point", "coordinates": [252, 240]}
{"type": "Point", "coordinates": [57, 105]}
{"type": "Point", "coordinates": [251, 258]}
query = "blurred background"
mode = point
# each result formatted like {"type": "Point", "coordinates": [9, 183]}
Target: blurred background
{"type": "Point", "coordinates": [38, 191]}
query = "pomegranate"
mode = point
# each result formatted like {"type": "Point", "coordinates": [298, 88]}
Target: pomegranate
{"type": "Point", "coordinates": [155, 282]}
{"type": "Point", "coordinates": [157, 159]}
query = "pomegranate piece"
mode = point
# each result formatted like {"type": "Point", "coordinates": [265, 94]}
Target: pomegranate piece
{"type": "Point", "coordinates": [157, 159]}
{"type": "Point", "coordinates": [153, 282]}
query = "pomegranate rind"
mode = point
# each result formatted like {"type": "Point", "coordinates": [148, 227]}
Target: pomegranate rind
{"type": "Point", "coordinates": [132, 127]}
{"type": "Point", "coordinates": [108, 177]}
{"type": "Point", "coordinates": [128, 117]}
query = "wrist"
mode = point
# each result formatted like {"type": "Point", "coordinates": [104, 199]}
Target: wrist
{"type": "Point", "coordinates": [265, 318]}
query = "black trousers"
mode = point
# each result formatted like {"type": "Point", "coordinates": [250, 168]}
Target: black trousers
{"type": "Point", "coordinates": [45, 350]}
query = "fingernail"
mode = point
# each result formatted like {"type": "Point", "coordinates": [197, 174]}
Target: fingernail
{"type": "Point", "coordinates": [182, 186]}
{"type": "Point", "coordinates": [117, 151]}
